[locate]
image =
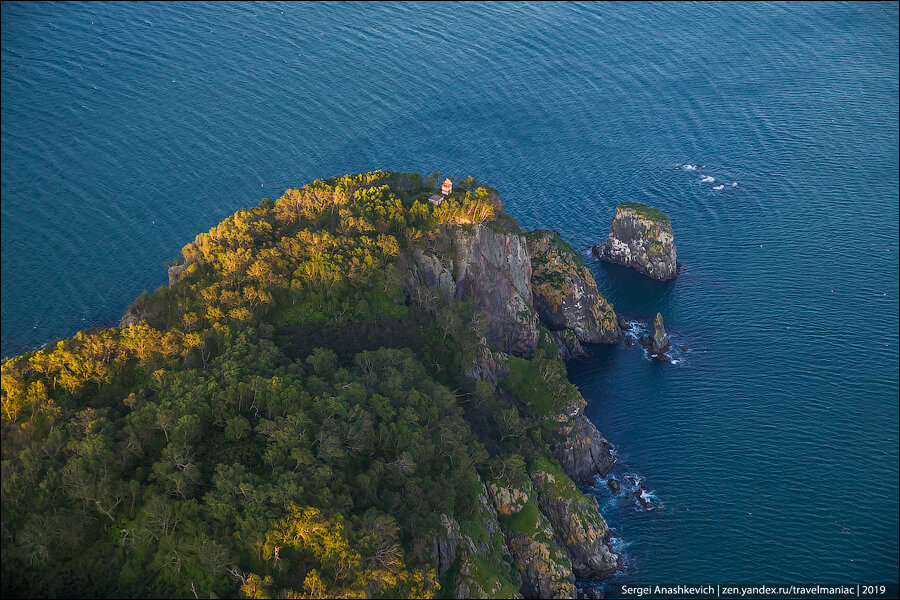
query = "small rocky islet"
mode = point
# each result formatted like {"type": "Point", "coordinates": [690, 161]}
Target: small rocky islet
{"type": "Point", "coordinates": [640, 237]}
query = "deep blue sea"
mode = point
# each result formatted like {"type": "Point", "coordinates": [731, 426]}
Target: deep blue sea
{"type": "Point", "coordinates": [770, 447]}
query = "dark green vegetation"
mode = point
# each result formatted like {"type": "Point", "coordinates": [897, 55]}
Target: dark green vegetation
{"type": "Point", "coordinates": [559, 242]}
{"type": "Point", "coordinates": [645, 211]}
{"type": "Point", "coordinates": [282, 419]}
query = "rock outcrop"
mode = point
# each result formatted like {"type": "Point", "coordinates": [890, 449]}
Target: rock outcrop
{"type": "Point", "coordinates": [543, 564]}
{"type": "Point", "coordinates": [660, 341]}
{"type": "Point", "coordinates": [488, 366]}
{"type": "Point", "coordinates": [640, 237]}
{"type": "Point", "coordinates": [576, 519]}
{"type": "Point", "coordinates": [175, 272]}
{"type": "Point", "coordinates": [581, 451]}
{"type": "Point", "coordinates": [444, 550]}
{"type": "Point", "coordinates": [486, 568]}
{"type": "Point", "coordinates": [565, 293]}
{"type": "Point", "coordinates": [567, 345]}
{"type": "Point", "coordinates": [491, 270]}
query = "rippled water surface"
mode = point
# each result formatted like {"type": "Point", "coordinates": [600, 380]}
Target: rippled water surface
{"type": "Point", "coordinates": [771, 447]}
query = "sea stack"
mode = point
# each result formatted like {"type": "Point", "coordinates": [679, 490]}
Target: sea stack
{"type": "Point", "coordinates": [660, 342]}
{"type": "Point", "coordinates": [640, 237]}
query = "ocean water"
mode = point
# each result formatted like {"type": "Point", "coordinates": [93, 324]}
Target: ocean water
{"type": "Point", "coordinates": [770, 449]}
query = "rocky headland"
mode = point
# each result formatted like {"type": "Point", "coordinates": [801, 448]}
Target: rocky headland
{"type": "Point", "coordinates": [526, 283]}
{"type": "Point", "coordinates": [640, 237]}
{"type": "Point", "coordinates": [565, 293]}
{"type": "Point", "coordinates": [383, 375]}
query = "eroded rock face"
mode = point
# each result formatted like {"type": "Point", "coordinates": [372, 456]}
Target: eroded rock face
{"type": "Point", "coordinates": [567, 345]}
{"type": "Point", "coordinates": [444, 549]}
{"type": "Point", "coordinates": [175, 273]}
{"type": "Point", "coordinates": [660, 342]}
{"type": "Point", "coordinates": [488, 366]}
{"type": "Point", "coordinates": [486, 568]}
{"type": "Point", "coordinates": [565, 293]}
{"type": "Point", "coordinates": [490, 269]}
{"type": "Point", "coordinates": [544, 565]}
{"type": "Point", "coordinates": [578, 524]}
{"type": "Point", "coordinates": [583, 452]}
{"type": "Point", "coordinates": [640, 237]}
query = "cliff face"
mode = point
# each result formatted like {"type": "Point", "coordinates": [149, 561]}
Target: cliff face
{"type": "Point", "coordinates": [565, 293]}
{"type": "Point", "coordinates": [475, 554]}
{"type": "Point", "coordinates": [640, 237]}
{"type": "Point", "coordinates": [490, 269]}
{"type": "Point", "coordinates": [548, 531]}
{"type": "Point", "coordinates": [582, 451]}
{"type": "Point", "coordinates": [576, 519]}
{"type": "Point", "coordinates": [544, 565]}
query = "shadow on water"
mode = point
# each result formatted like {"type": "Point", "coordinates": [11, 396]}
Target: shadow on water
{"type": "Point", "coordinates": [632, 293]}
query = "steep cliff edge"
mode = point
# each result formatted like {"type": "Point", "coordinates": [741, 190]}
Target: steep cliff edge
{"type": "Point", "coordinates": [565, 293]}
{"type": "Point", "coordinates": [576, 519]}
{"type": "Point", "coordinates": [472, 557]}
{"type": "Point", "coordinates": [540, 558]}
{"type": "Point", "coordinates": [640, 237]}
{"type": "Point", "coordinates": [490, 269]}
{"type": "Point", "coordinates": [494, 272]}
{"type": "Point", "coordinates": [552, 531]}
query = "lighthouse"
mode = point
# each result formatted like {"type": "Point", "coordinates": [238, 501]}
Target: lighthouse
{"type": "Point", "coordinates": [447, 187]}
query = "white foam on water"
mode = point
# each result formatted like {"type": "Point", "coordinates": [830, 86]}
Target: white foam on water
{"type": "Point", "coordinates": [689, 167]}
{"type": "Point", "coordinates": [734, 184]}
{"type": "Point", "coordinates": [675, 354]}
{"type": "Point", "coordinates": [707, 179]}
{"type": "Point", "coordinates": [719, 188]}
{"type": "Point", "coordinates": [618, 544]}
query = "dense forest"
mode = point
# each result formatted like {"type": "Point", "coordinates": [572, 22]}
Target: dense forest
{"type": "Point", "coordinates": [287, 418]}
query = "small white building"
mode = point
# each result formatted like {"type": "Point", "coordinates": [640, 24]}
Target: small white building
{"type": "Point", "coordinates": [437, 199]}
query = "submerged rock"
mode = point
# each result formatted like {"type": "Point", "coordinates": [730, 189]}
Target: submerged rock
{"type": "Point", "coordinates": [640, 237]}
{"type": "Point", "coordinates": [565, 293]}
{"type": "Point", "coordinates": [613, 484]}
{"type": "Point", "coordinates": [640, 494]}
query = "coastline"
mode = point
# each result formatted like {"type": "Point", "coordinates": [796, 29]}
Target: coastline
{"type": "Point", "coordinates": [468, 268]}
